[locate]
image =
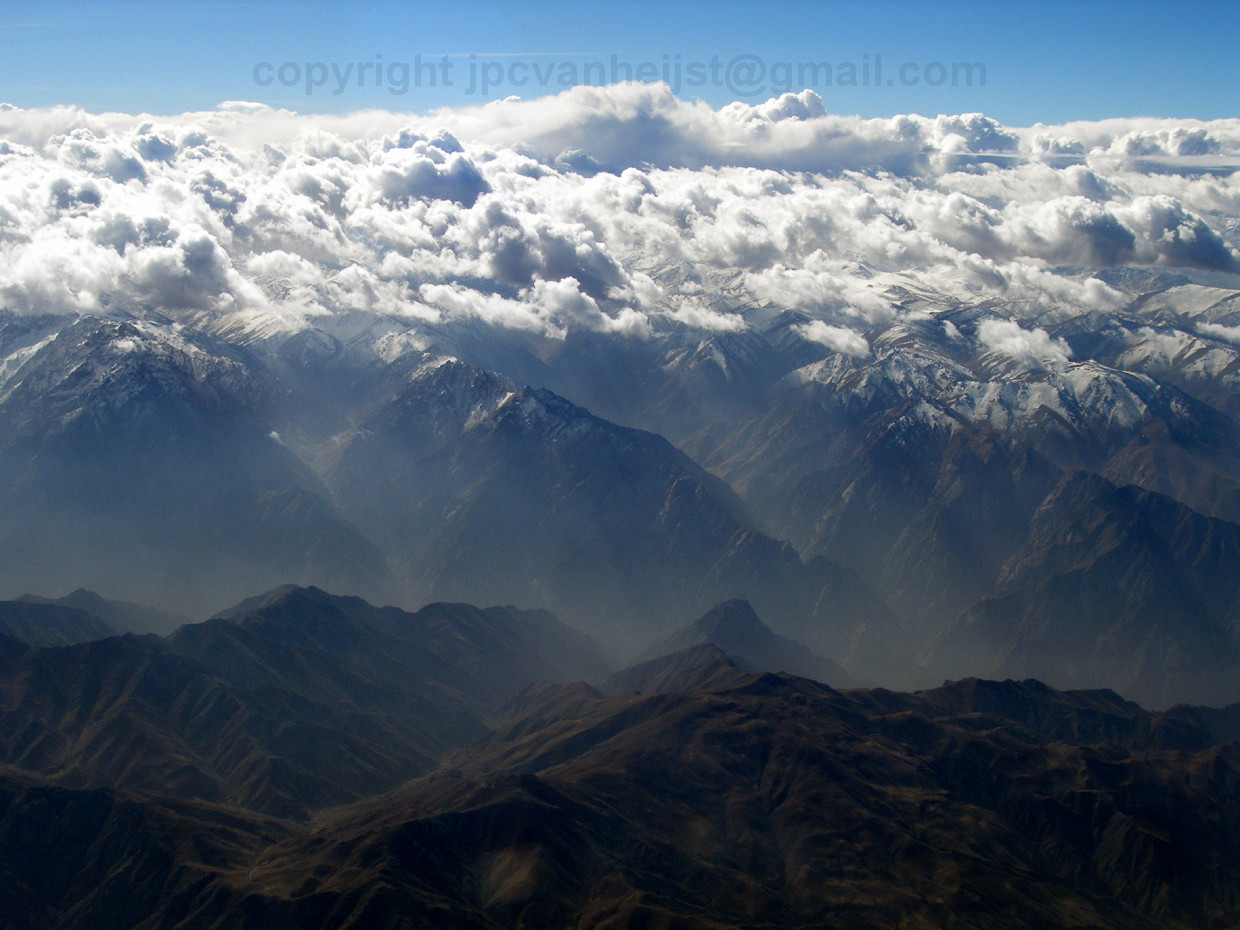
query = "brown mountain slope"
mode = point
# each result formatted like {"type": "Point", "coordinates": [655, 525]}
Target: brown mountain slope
{"type": "Point", "coordinates": [101, 858]}
{"type": "Point", "coordinates": [694, 795]}
{"type": "Point", "coordinates": [127, 712]}
{"type": "Point", "coordinates": [775, 802]}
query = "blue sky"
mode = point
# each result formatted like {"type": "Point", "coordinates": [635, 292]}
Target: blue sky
{"type": "Point", "coordinates": [1043, 61]}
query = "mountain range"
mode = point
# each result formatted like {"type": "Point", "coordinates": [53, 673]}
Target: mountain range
{"type": "Point", "coordinates": [310, 760]}
{"type": "Point", "coordinates": [932, 507]}
{"type": "Point", "coordinates": [603, 509]}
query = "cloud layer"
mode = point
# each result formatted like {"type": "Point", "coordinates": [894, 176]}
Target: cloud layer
{"type": "Point", "coordinates": [619, 210]}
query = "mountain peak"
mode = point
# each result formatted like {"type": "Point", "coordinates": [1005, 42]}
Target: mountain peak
{"type": "Point", "coordinates": [735, 628]}
{"type": "Point", "coordinates": [545, 410]}
{"type": "Point", "coordinates": [733, 618]}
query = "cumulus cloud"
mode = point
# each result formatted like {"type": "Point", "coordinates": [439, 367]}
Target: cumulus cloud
{"type": "Point", "coordinates": [646, 125]}
{"type": "Point", "coordinates": [694, 314]}
{"type": "Point", "coordinates": [58, 274]}
{"type": "Point", "coordinates": [550, 308]}
{"type": "Point", "coordinates": [1219, 331]}
{"type": "Point", "coordinates": [827, 293]}
{"type": "Point", "coordinates": [837, 338]}
{"type": "Point", "coordinates": [191, 272]}
{"type": "Point", "coordinates": [620, 210]}
{"type": "Point", "coordinates": [1171, 235]}
{"type": "Point", "coordinates": [1034, 348]}
{"type": "Point", "coordinates": [419, 170]}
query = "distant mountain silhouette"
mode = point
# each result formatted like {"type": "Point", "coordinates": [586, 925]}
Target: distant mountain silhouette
{"type": "Point", "coordinates": [735, 628]}
{"type": "Point", "coordinates": [50, 624]}
{"type": "Point", "coordinates": [124, 616]}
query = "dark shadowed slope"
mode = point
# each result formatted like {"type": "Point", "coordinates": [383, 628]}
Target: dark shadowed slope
{"type": "Point", "coordinates": [484, 491]}
{"type": "Point", "coordinates": [481, 656]}
{"type": "Point", "coordinates": [128, 712]}
{"type": "Point", "coordinates": [132, 461]}
{"type": "Point", "coordinates": [299, 700]}
{"type": "Point", "coordinates": [695, 668]}
{"type": "Point", "coordinates": [1117, 587]}
{"type": "Point", "coordinates": [72, 857]}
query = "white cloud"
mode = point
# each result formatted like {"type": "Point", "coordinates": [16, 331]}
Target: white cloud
{"type": "Point", "coordinates": [1171, 235]}
{"type": "Point", "coordinates": [613, 210]}
{"type": "Point", "coordinates": [550, 308]}
{"type": "Point", "coordinates": [1219, 331]}
{"type": "Point", "coordinates": [836, 338]}
{"type": "Point", "coordinates": [695, 314]}
{"type": "Point", "coordinates": [1030, 347]}
{"type": "Point", "coordinates": [58, 274]}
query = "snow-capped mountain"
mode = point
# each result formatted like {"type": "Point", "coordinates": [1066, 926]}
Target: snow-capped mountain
{"type": "Point", "coordinates": [134, 461]}
{"type": "Point", "coordinates": [138, 447]}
